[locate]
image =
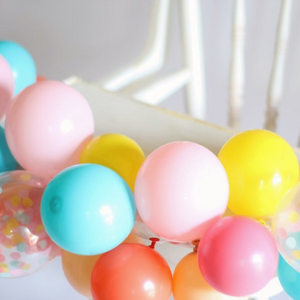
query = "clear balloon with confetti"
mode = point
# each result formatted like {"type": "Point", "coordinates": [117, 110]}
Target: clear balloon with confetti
{"type": "Point", "coordinates": [286, 227]}
{"type": "Point", "coordinates": [25, 246]}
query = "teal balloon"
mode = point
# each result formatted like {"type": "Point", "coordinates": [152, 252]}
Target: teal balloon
{"type": "Point", "coordinates": [7, 161]}
{"type": "Point", "coordinates": [289, 279]}
{"type": "Point", "coordinates": [21, 63]}
{"type": "Point", "coordinates": [88, 209]}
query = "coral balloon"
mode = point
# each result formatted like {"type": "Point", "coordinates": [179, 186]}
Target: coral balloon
{"type": "Point", "coordinates": [237, 256]}
{"type": "Point", "coordinates": [7, 85]}
{"type": "Point", "coordinates": [88, 209]}
{"type": "Point", "coordinates": [180, 190]}
{"type": "Point", "coordinates": [21, 64]}
{"type": "Point", "coordinates": [47, 126]}
{"type": "Point", "coordinates": [286, 227]}
{"type": "Point", "coordinates": [261, 167]}
{"type": "Point", "coordinates": [78, 268]}
{"type": "Point", "coordinates": [117, 152]}
{"type": "Point", "coordinates": [131, 272]}
{"type": "Point", "coordinates": [7, 161]}
{"type": "Point", "coordinates": [25, 247]}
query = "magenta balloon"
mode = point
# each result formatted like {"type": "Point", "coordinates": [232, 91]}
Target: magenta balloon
{"type": "Point", "coordinates": [180, 190]}
{"type": "Point", "coordinates": [237, 256]}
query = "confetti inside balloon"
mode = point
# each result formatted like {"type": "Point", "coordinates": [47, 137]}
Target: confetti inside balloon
{"type": "Point", "coordinates": [25, 246]}
{"type": "Point", "coordinates": [286, 227]}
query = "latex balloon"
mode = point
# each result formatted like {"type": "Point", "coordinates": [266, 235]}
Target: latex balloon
{"type": "Point", "coordinates": [117, 152]}
{"type": "Point", "coordinates": [7, 161]}
{"type": "Point", "coordinates": [237, 256]}
{"type": "Point", "coordinates": [261, 167]}
{"type": "Point", "coordinates": [78, 268]}
{"type": "Point", "coordinates": [25, 247]}
{"type": "Point", "coordinates": [40, 78]}
{"type": "Point", "coordinates": [21, 64]}
{"type": "Point", "coordinates": [7, 85]}
{"type": "Point", "coordinates": [131, 272]}
{"type": "Point", "coordinates": [180, 190]}
{"type": "Point", "coordinates": [47, 126]}
{"type": "Point", "coordinates": [286, 227]}
{"type": "Point", "coordinates": [289, 279]}
{"type": "Point", "coordinates": [88, 209]}
{"type": "Point", "coordinates": [188, 282]}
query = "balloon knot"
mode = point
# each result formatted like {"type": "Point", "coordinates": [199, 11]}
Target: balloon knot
{"type": "Point", "coordinates": [153, 240]}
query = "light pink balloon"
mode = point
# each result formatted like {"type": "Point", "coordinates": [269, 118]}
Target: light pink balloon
{"type": "Point", "coordinates": [47, 126]}
{"type": "Point", "coordinates": [180, 190]}
{"type": "Point", "coordinates": [7, 85]}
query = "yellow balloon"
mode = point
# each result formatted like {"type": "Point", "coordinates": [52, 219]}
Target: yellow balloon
{"type": "Point", "coordinates": [117, 152]}
{"type": "Point", "coordinates": [261, 167]}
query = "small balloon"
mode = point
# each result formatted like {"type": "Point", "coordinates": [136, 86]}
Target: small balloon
{"type": "Point", "coordinates": [21, 64]}
{"type": "Point", "coordinates": [286, 227]}
{"type": "Point", "coordinates": [117, 152]}
{"type": "Point", "coordinates": [258, 175]}
{"type": "Point", "coordinates": [88, 209]}
{"type": "Point", "coordinates": [25, 246]}
{"type": "Point", "coordinates": [289, 279]}
{"type": "Point", "coordinates": [131, 272]}
{"type": "Point", "coordinates": [40, 78]}
{"type": "Point", "coordinates": [237, 256]}
{"type": "Point", "coordinates": [7, 161]}
{"type": "Point", "coordinates": [180, 190]}
{"type": "Point", "coordinates": [47, 126]}
{"type": "Point", "coordinates": [78, 268]}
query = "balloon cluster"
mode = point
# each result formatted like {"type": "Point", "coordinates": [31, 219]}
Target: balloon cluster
{"type": "Point", "coordinates": [82, 194]}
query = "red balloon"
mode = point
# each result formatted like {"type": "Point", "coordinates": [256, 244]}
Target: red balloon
{"type": "Point", "coordinates": [131, 272]}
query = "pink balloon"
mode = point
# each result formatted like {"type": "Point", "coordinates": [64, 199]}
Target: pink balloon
{"type": "Point", "coordinates": [7, 85]}
{"type": "Point", "coordinates": [47, 126]}
{"type": "Point", "coordinates": [180, 190]}
{"type": "Point", "coordinates": [237, 256]}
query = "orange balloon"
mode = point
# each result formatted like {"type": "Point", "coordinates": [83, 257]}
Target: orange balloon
{"type": "Point", "coordinates": [189, 284]}
{"type": "Point", "coordinates": [131, 272]}
{"type": "Point", "coordinates": [78, 268]}
{"type": "Point", "coordinates": [40, 78]}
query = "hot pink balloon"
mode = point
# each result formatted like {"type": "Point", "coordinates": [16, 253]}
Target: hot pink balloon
{"type": "Point", "coordinates": [237, 256]}
{"type": "Point", "coordinates": [47, 127]}
{"type": "Point", "coordinates": [7, 85]}
{"type": "Point", "coordinates": [180, 190]}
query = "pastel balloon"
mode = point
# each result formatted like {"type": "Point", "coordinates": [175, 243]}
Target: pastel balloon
{"type": "Point", "coordinates": [25, 247]}
{"type": "Point", "coordinates": [47, 126]}
{"type": "Point", "coordinates": [88, 209]}
{"type": "Point", "coordinates": [289, 279]}
{"type": "Point", "coordinates": [261, 167]}
{"type": "Point", "coordinates": [78, 268]}
{"type": "Point", "coordinates": [7, 161]}
{"type": "Point", "coordinates": [188, 282]}
{"type": "Point", "coordinates": [131, 272]}
{"type": "Point", "coordinates": [21, 64]}
{"type": "Point", "coordinates": [7, 85]}
{"type": "Point", "coordinates": [117, 152]}
{"type": "Point", "coordinates": [237, 256]}
{"type": "Point", "coordinates": [286, 227]}
{"type": "Point", "coordinates": [180, 190]}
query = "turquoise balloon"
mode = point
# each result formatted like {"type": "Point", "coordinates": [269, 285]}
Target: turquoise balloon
{"type": "Point", "coordinates": [88, 209]}
{"type": "Point", "coordinates": [21, 63]}
{"type": "Point", "coordinates": [289, 279]}
{"type": "Point", "coordinates": [7, 161]}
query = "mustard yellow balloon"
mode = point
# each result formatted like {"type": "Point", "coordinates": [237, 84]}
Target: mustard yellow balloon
{"type": "Point", "coordinates": [117, 152]}
{"type": "Point", "coordinates": [261, 167]}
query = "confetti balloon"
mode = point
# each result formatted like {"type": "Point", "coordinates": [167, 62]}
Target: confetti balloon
{"type": "Point", "coordinates": [117, 152]}
{"type": "Point", "coordinates": [47, 126]}
{"type": "Point", "coordinates": [180, 190]}
{"type": "Point", "coordinates": [21, 64]}
{"type": "Point", "coordinates": [286, 227]}
{"type": "Point", "coordinates": [88, 209]}
{"type": "Point", "coordinates": [78, 268]}
{"type": "Point", "coordinates": [261, 167]}
{"type": "Point", "coordinates": [131, 272]}
{"type": "Point", "coordinates": [7, 161]}
{"type": "Point", "coordinates": [25, 246]}
{"type": "Point", "coordinates": [237, 256]}
{"type": "Point", "coordinates": [7, 85]}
